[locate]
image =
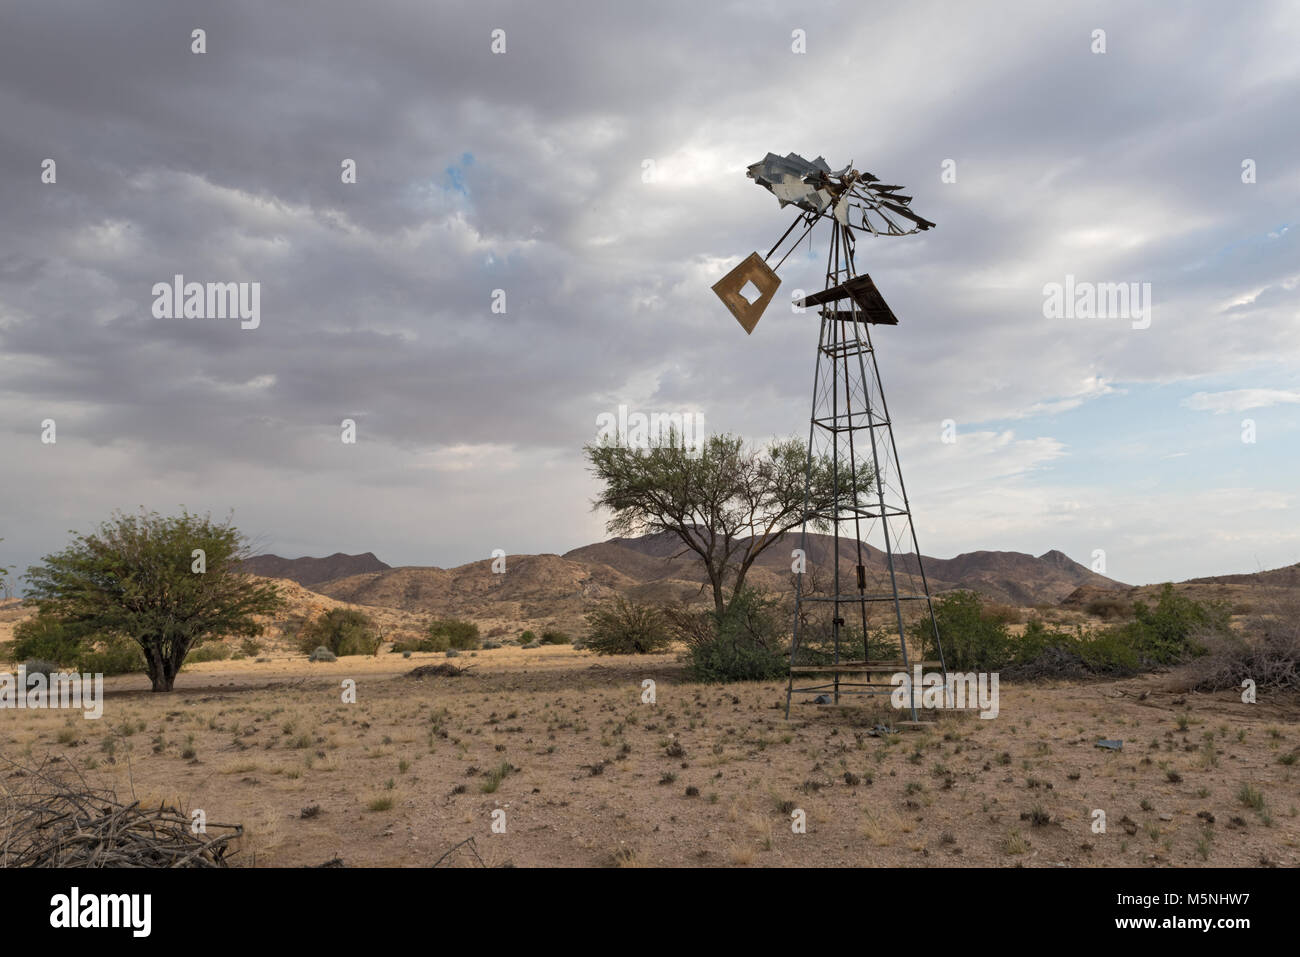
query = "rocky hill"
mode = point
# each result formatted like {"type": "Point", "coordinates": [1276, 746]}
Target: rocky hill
{"type": "Point", "coordinates": [555, 591]}
{"type": "Point", "coordinates": [313, 571]}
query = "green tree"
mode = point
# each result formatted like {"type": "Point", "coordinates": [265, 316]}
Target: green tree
{"type": "Point", "coordinates": [726, 502]}
{"type": "Point", "coordinates": [138, 576]}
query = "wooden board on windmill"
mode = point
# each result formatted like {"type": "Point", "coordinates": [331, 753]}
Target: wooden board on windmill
{"type": "Point", "coordinates": [731, 290]}
{"type": "Point", "coordinates": [862, 290]}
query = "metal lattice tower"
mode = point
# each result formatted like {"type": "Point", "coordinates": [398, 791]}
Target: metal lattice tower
{"type": "Point", "coordinates": [867, 584]}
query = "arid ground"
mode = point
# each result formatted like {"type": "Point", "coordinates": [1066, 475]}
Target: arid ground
{"type": "Point", "coordinates": [589, 775]}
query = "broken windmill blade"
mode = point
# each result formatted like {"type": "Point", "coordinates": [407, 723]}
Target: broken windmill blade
{"type": "Point", "coordinates": [856, 202]}
{"type": "Point", "coordinates": [867, 511]}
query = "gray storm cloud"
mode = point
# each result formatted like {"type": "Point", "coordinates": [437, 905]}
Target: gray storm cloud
{"type": "Point", "coordinates": [523, 172]}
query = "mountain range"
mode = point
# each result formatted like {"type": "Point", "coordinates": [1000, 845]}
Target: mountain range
{"type": "Point", "coordinates": [560, 588]}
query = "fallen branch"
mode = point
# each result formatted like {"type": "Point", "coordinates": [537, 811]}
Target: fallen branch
{"type": "Point", "coordinates": [51, 821]}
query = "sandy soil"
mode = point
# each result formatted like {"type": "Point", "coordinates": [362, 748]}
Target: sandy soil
{"type": "Point", "coordinates": [707, 775]}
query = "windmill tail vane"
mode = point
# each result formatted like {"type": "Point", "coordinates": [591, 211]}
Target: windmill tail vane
{"type": "Point", "coordinates": [869, 613]}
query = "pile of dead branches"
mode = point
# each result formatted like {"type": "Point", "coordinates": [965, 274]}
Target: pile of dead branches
{"type": "Point", "coordinates": [1265, 649]}
{"type": "Point", "coordinates": [437, 671]}
{"type": "Point", "coordinates": [50, 817]}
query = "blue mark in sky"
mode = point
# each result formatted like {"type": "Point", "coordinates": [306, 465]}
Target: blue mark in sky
{"type": "Point", "coordinates": [456, 174]}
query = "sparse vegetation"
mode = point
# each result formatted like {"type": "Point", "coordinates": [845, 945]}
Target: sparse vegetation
{"type": "Point", "coordinates": [1176, 629]}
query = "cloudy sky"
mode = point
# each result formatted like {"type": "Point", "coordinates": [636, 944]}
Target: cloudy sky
{"type": "Point", "coordinates": [526, 171]}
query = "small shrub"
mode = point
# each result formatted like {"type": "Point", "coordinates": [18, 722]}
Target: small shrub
{"type": "Point", "coordinates": [1173, 631]}
{"type": "Point", "coordinates": [213, 651]}
{"type": "Point", "coordinates": [1108, 608]}
{"type": "Point", "coordinates": [47, 639]}
{"type": "Point", "coordinates": [341, 631]}
{"type": "Point", "coordinates": [35, 666]}
{"type": "Point", "coordinates": [622, 627]}
{"type": "Point", "coordinates": [1251, 797]}
{"type": "Point", "coordinates": [323, 654]}
{"type": "Point", "coordinates": [493, 779]}
{"type": "Point", "coordinates": [451, 634]}
{"type": "Point", "coordinates": [118, 656]}
{"type": "Point", "coordinates": [745, 643]}
{"type": "Point", "coordinates": [1107, 653]}
{"type": "Point", "coordinates": [555, 638]}
{"type": "Point", "coordinates": [1000, 614]}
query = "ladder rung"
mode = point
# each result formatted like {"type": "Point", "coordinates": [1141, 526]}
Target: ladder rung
{"type": "Point", "coordinates": [856, 666]}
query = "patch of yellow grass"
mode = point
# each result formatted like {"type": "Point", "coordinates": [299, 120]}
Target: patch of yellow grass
{"type": "Point", "coordinates": [741, 855]}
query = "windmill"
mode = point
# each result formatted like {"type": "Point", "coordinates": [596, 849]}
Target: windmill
{"type": "Point", "coordinates": [840, 642]}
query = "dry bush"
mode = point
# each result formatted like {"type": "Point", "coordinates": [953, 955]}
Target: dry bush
{"type": "Point", "coordinates": [1002, 613]}
{"type": "Point", "coordinates": [1109, 608]}
{"type": "Point", "coordinates": [1265, 650]}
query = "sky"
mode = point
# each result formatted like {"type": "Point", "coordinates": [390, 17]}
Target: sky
{"type": "Point", "coordinates": [581, 167]}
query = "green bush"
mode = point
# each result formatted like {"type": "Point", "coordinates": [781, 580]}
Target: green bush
{"type": "Point", "coordinates": [527, 637]}
{"type": "Point", "coordinates": [37, 666]}
{"type": "Point", "coordinates": [119, 656]}
{"type": "Point", "coordinates": [1039, 638]}
{"type": "Point", "coordinates": [446, 634]}
{"type": "Point", "coordinates": [1164, 635]}
{"type": "Point", "coordinates": [344, 631]}
{"type": "Point", "coordinates": [1175, 629]}
{"type": "Point", "coordinates": [971, 641]}
{"type": "Point", "coordinates": [745, 643]}
{"type": "Point", "coordinates": [1107, 653]}
{"type": "Point", "coordinates": [48, 639]}
{"type": "Point", "coordinates": [212, 651]}
{"type": "Point", "coordinates": [555, 638]}
{"type": "Point", "coordinates": [622, 627]}
{"type": "Point", "coordinates": [817, 644]}
{"type": "Point", "coordinates": [1045, 652]}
